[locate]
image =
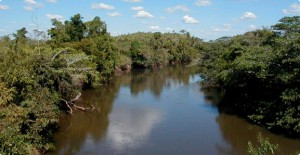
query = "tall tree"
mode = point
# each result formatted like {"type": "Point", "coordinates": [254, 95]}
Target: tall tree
{"type": "Point", "coordinates": [20, 36]}
{"type": "Point", "coordinates": [95, 27]}
{"type": "Point", "coordinates": [75, 28]}
{"type": "Point", "coordinates": [287, 25]}
{"type": "Point", "coordinates": [58, 32]}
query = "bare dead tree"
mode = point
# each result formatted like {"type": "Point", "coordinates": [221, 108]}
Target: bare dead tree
{"type": "Point", "coordinates": [71, 104]}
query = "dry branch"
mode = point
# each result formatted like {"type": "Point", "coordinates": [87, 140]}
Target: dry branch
{"type": "Point", "coordinates": [68, 105]}
{"type": "Point", "coordinates": [58, 53]}
{"type": "Point", "coordinates": [71, 104]}
{"type": "Point", "coordinates": [76, 98]}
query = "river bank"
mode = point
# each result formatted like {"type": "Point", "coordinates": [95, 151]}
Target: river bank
{"type": "Point", "coordinates": [163, 111]}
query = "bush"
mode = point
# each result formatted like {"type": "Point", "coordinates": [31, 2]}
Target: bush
{"type": "Point", "coordinates": [264, 147]}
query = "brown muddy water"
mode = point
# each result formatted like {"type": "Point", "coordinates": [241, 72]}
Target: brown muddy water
{"type": "Point", "coordinates": [161, 112]}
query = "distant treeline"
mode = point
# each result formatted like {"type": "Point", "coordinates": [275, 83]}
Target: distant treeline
{"type": "Point", "coordinates": [155, 49]}
{"type": "Point", "coordinates": [258, 70]}
{"type": "Point", "coordinates": [38, 76]}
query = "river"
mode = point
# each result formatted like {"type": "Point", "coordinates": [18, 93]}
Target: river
{"type": "Point", "coordinates": [158, 112]}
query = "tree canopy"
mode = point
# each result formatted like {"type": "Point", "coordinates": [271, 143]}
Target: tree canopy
{"type": "Point", "coordinates": [260, 73]}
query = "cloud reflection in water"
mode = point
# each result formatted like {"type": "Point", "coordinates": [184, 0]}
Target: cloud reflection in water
{"type": "Point", "coordinates": [131, 126]}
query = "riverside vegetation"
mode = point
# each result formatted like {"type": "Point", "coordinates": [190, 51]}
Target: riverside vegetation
{"type": "Point", "coordinates": [259, 72]}
{"type": "Point", "coordinates": [39, 78]}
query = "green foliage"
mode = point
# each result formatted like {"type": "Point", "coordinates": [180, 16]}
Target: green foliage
{"type": "Point", "coordinates": [20, 36]}
{"type": "Point", "coordinates": [95, 28]}
{"type": "Point", "coordinates": [58, 33]}
{"type": "Point", "coordinates": [90, 37]}
{"type": "Point", "coordinates": [31, 85]}
{"type": "Point", "coordinates": [81, 54]}
{"type": "Point", "coordinates": [33, 80]}
{"type": "Point", "coordinates": [123, 62]}
{"type": "Point", "coordinates": [155, 49]}
{"type": "Point", "coordinates": [6, 94]}
{"type": "Point", "coordinates": [288, 25]}
{"type": "Point", "coordinates": [260, 73]}
{"type": "Point", "coordinates": [29, 108]}
{"type": "Point", "coordinates": [75, 28]}
{"type": "Point", "coordinates": [264, 148]}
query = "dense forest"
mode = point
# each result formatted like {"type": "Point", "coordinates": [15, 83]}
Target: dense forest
{"type": "Point", "coordinates": [40, 78]}
{"type": "Point", "coordinates": [257, 71]}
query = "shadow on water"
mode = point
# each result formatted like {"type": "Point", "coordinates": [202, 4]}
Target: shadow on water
{"type": "Point", "coordinates": [163, 111]}
{"type": "Point", "coordinates": [75, 129]}
{"type": "Point", "coordinates": [238, 132]}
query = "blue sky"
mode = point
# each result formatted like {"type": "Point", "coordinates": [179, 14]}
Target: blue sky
{"type": "Point", "coordinates": [207, 19]}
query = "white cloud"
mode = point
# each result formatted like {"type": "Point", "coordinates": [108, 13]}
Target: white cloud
{"type": "Point", "coordinates": [114, 14]}
{"type": "Point", "coordinates": [154, 28]}
{"type": "Point", "coordinates": [102, 6]}
{"type": "Point", "coordinates": [52, 1]}
{"type": "Point", "coordinates": [294, 9]}
{"type": "Point", "coordinates": [216, 29]}
{"type": "Point", "coordinates": [28, 8]}
{"type": "Point", "coordinates": [178, 8]}
{"type": "Point", "coordinates": [248, 15]}
{"type": "Point", "coordinates": [189, 20]}
{"type": "Point", "coordinates": [132, 1]}
{"type": "Point", "coordinates": [143, 14]}
{"type": "Point", "coordinates": [52, 16]}
{"type": "Point", "coordinates": [137, 8]}
{"type": "Point", "coordinates": [203, 2]}
{"type": "Point", "coordinates": [3, 7]}
{"type": "Point", "coordinates": [1, 30]}
{"type": "Point", "coordinates": [227, 25]}
{"type": "Point", "coordinates": [169, 29]}
{"type": "Point", "coordinates": [252, 27]}
{"type": "Point", "coordinates": [224, 28]}
{"type": "Point", "coordinates": [33, 3]}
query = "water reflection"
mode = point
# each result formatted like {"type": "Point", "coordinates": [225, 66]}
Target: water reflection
{"type": "Point", "coordinates": [131, 126]}
{"type": "Point", "coordinates": [80, 128]}
{"type": "Point", "coordinates": [237, 131]}
{"type": "Point", "coordinates": [158, 112]}
{"type": "Point", "coordinates": [121, 127]}
{"type": "Point", "coordinates": [160, 79]}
